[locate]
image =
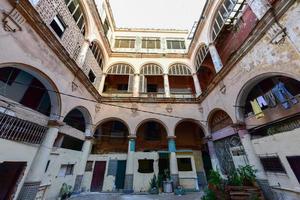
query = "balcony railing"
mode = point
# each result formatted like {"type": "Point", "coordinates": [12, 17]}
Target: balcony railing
{"type": "Point", "coordinates": [16, 129]}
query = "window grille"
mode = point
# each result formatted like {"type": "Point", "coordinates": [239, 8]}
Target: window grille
{"type": "Point", "coordinates": [175, 44]}
{"type": "Point", "coordinates": [179, 69]}
{"type": "Point", "coordinates": [120, 69]}
{"type": "Point", "coordinates": [95, 48]}
{"type": "Point", "coordinates": [151, 69]}
{"type": "Point", "coordinates": [200, 56]}
{"type": "Point", "coordinates": [272, 164]}
{"type": "Point", "coordinates": [125, 43]}
{"type": "Point", "coordinates": [151, 43]}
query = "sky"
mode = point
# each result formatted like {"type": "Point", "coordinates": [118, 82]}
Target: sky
{"type": "Point", "coordinates": [168, 14]}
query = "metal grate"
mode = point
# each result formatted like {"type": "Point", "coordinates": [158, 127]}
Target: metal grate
{"type": "Point", "coordinates": [179, 69]}
{"type": "Point", "coordinates": [200, 56]}
{"type": "Point", "coordinates": [13, 128]}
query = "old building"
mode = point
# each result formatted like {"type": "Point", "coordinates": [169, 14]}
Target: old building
{"type": "Point", "coordinates": [104, 108]}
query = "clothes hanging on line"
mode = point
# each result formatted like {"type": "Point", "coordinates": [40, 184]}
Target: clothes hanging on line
{"type": "Point", "coordinates": [261, 101]}
{"type": "Point", "coordinates": [257, 109]}
{"type": "Point", "coordinates": [270, 99]}
{"type": "Point", "coordinates": [284, 96]}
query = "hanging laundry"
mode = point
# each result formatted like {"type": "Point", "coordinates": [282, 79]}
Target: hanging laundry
{"type": "Point", "coordinates": [270, 99]}
{"type": "Point", "coordinates": [257, 109]}
{"type": "Point", "coordinates": [284, 96]}
{"type": "Point", "coordinates": [261, 101]}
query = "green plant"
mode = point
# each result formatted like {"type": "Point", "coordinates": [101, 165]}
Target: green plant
{"type": "Point", "coordinates": [65, 191]}
{"type": "Point", "coordinates": [209, 195]}
{"type": "Point", "coordinates": [235, 179]}
{"type": "Point", "coordinates": [215, 178]}
{"type": "Point", "coordinates": [247, 174]}
{"type": "Point", "coordinates": [160, 180]}
{"type": "Point", "coordinates": [153, 185]}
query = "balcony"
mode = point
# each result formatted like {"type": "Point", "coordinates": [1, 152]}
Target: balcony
{"type": "Point", "coordinates": [16, 129]}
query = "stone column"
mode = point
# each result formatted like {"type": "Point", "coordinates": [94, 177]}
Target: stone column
{"type": "Point", "coordinates": [82, 54]}
{"type": "Point", "coordinates": [86, 150]}
{"type": "Point", "coordinates": [254, 161]}
{"type": "Point", "coordinates": [37, 168]}
{"type": "Point", "coordinates": [136, 85]}
{"type": "Point", "coordinates": [259, 7]}
{"type": "Point", "coordinates": [166, 85]}
{"type": "Point", "coordinates": [215, 57]}
{"type": "Point", "coordinates": [173, 161]}
{"type": "Point", "coordinates": [213, 156]}
{"type": "Point", "coordinates": [128, 187]}
{"type": "Point", "coordinates": [197, 85]}
{"type": "Point", "coordinates": [102, 82]}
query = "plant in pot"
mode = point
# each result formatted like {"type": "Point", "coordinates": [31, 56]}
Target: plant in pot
{"type": "Point", "coordinates": [216, 184]}
{"type": "Point", "coordinates": [154, 185]}
{"type": "Point", "coordinates": [65, 191]}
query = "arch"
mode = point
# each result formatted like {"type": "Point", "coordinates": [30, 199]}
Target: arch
{"type": "Point", "coordinates": [74, 117]}
{"type": "Point", "coordinates": [205, 75]}
{"type": "Point", "coordinates": [249, 85]}
{"type": "Point", "coordinates": [151, 69]}
{"type": "Point", "coordinates": [218, 119]}
{"type": "Point", "coordinates": [200, 56]}
{"type": "Point", "coordinates": [152, 119]}
{"type": "Point", "coordinates": [98, 53]}
{"type": "Point", "coordinates": [113, 119]}
{"type": "Point", "coordinates": [53, 92]}
{"type": "Point", "coordinates": [179, 69]}
{"type": "Point", "coordinates": [120, 69]}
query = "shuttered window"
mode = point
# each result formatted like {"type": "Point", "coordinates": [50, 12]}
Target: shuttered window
{"type": "Point", "coordinates": [124, 43]}
{"type": "Point", "coordinates": [175, 44]}
{"type": "Point", "coordinates": [151, 43]}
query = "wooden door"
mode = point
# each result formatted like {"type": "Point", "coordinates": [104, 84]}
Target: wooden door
{"type": "Point", "coordinates": [98, 176]}
{"type": "Point", "coordinates": [120, 176]}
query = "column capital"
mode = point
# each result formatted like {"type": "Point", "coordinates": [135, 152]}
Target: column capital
{"type": "Point", "coordinates": [136, 74]}
{"type": "Point", "coordinates": [132, 137]}
{"type": "Point", "coordinates": [104, 74]}
{"type": "Point", "coordinates": [55, 123]}
{"type": "Point", "coordinates": [171, 137]}
{"type": "Point", "coordinates": [194, 74]}
{"type": "Point", "coordinates": [211, 44]}
{"type": "Point", "coordinates": [239, 126]}
{"type": "Point", "coordinates": [165, 74]}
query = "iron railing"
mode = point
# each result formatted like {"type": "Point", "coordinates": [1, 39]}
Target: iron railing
{"type": "Point", "coordinates": [16, 129]}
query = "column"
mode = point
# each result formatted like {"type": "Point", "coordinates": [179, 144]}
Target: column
{"type": "Point", "coordinates": [166, 85]}
{"type": "Point", "coordinates": [37, 168]}
{"type": "Point", "coordinates": [173, 161]}
{"type": "Point", "coordinates": [128, 187]}
{"type": "Point", "coordinates": [136, 85]}
{"type": "Point", "coordinates": [102, 82]}
{"type": "Point", "coordinates": [254, 161]}
{"type": "Point", "coordinates": [259, 7]}
{"type": "Point", "coordinates": [197, 85]}
{"type": "Point", "coordinates": [213, 156]}
{"type": "Point", "coordinates": [215, 57]}
{"type": "Point", "coordinates": [86, 150]}
{"type": "Point", "coordinates": [82, 54]}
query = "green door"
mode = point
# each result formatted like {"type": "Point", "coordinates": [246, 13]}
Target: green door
{"type": "Point", "coordinates": [120, 177]}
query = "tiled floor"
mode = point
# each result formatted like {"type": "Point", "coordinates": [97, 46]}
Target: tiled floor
{"type": "Point", "coordinates": [104, 196]}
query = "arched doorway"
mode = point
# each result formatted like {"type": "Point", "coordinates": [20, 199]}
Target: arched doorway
{"type": "Point", "coordinates": [192, 154]}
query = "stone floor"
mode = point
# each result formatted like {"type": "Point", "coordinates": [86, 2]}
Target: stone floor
{"type": "Point", "coordinates": [108, 196]}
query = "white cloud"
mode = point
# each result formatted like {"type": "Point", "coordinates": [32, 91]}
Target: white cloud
{"type": "Point", "coordinates": [170, 14]}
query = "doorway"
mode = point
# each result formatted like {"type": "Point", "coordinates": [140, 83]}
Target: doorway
{"type": "Point", "coordinates": [11, 174]}
{"type": "Point", "coordinates": [98, 176]}
{"type": "Point", "coordinates": [120, 176]}
{"type": "Point", "coordinates": [164, 165]}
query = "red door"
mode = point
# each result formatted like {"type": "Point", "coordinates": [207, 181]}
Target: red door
{"type": "Point", "coordinates": [98, 176]}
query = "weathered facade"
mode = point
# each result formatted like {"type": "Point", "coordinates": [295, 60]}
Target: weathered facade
{"type": "Point", "coordinates": [100, 108]}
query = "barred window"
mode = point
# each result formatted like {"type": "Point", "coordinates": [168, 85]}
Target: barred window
{"type": "Point", "coordinates": [175, 44]}
{"type": "Point", "coordinates": [151, 43]}
{"type": "Point", "coordinates": [272, 164]}
{"type": "Point", "coordinates": [124, 43]}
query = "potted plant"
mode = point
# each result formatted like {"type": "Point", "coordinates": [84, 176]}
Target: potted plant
{"type": "Point", "coordinates": [153, 185]}
{"type": "Point", "coordinates": [65, 191]}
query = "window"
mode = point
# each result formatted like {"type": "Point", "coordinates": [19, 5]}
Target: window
{"type": "Point", "coordinates": [89, 166]}
{"type": "Point", "coordinates": [92, 76]}
{"type": "Point", "coordinates": [66, 170]}
{"type": "Point", "coordinates": [175, 44]}
{"type": "Point", "coordinates": [106, 27]}
{"type": "Point", "coordinates": [272, 164]}
{"type": "Point", "coordinates": [184, 164]}
{"type": "Point", "coordinates": [47, 166]}
{"type": "Point", "coordinates": [151, 43]}
{"type": "Point", "coordinates": [294, 163]}
{"type": "Point", "coordinates": [96, 50]}
{"type": "Point", "coordinates": [152, 131]}
{"type": "Point", "coordinates": [71, 143]}
{"type": "Point", "coordinates": [151, 88]}
{"type": "Point", "coordinates": [124, 43]}
{"type": "Point", "coordinates": [58, 26]}
{"type": "Point", "coordinates": [76, 12]}
{"type": "Point", "coordinates": [146, 166]}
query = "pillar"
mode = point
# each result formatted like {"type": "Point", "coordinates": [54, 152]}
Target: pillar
{"type": "Point", "coordinates": [37, 168]}
{"type": "Point", "coordinates": [173, 161]}
{"type": "Point", "coordinates": [136, 85]}
{"type": "Point", "coordinates": [128, 186]}
{"type": "Point", "coordinates": [259, 7]}
{"type": "Point", "coordinates": [102, 82]}
{"type": "Point", "coordinates": [83, 52]}
{"type": "Point", "coordinates": [213, 156]}
{"type": "Point", "coordinates": [197, 85]}
{"type": "Point", "coordinates": [86, 150]}
{"type": "Point", "coordinates": [215, 57]}
{"type": "Point", "coordinates": [254, 161]}
{"type": "Point", "coordinates": [166, 85]}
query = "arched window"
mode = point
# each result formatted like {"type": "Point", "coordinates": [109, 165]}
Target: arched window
{"type": "Point", "coordinates": [151, 79]}
{"type": "Point", "coordinates": [24, 88]}
{"type": "Point", "coordinates": [151, 69]}
{"type": "Point", "coordinates": [95, 48]}
{"type": "Point", "coordinates": [76, 12]}
{"type": "Point", "coordinates": [76, 120]}
{"type": "Point", "coordinates": [180, 79]}
{"type": "Point", "coordinates": [200, 56]}
{"type": "Point", "coordinates": [220, 120]}
{"type": "Point", "coordinates": [179, 69]}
